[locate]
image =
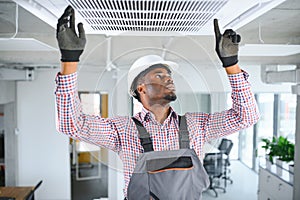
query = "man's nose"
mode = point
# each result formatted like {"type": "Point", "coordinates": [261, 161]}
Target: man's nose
{"type": "Point", "coordinates": [169, 79]}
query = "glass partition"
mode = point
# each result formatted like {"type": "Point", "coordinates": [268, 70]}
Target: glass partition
{"type": "Point", "coordinates": [265, 124]}
{"type": "Point", "coordinates": [287, 116]}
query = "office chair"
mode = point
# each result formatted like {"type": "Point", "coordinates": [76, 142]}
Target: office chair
{"type": "Point", "coordinates": [225, 148]}
{"type": "Point", "coordinates": [30, 196]}
{"type": "Point", "coordinates": [213, 164]}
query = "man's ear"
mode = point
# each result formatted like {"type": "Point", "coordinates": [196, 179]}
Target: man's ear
{"type": "Point", "coordinates": [141, 89]}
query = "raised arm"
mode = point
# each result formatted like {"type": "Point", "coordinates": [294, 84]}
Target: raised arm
{"type": "Point", "coordinates": [244, 111]}
{"type": "Point", "coordinates": [70, 118]}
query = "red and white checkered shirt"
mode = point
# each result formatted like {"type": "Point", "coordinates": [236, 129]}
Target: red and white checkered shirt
{"type": "Point", "coordinates": [120, 133]}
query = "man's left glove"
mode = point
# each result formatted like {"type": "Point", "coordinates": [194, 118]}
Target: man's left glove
{"type": "Point", "coordinates": [71, 46]}
{"type": "Point", "coordinates": [227, 45]}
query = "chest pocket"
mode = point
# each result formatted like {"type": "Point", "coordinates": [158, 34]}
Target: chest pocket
{"type": "Point", "coordinates": [167, 175]}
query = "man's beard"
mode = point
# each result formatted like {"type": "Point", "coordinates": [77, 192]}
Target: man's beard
{"type": "Point", "coordinates": [170, 97]}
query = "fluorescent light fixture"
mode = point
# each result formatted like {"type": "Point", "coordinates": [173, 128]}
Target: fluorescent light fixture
{"type": "Point", "coordinates": [269, 50]}
{"type": "Point", "coordinates": [24, 44]}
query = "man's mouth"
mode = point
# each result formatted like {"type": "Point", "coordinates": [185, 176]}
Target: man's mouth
{"type": "Point", "coordinates": [170, 87]}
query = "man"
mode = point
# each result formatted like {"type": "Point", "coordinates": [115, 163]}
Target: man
{"type": "Point", "coordinates": [155, 131]}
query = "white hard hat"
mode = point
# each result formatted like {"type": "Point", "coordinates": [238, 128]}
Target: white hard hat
{"type": "Point", "coordinates": [144, 63]}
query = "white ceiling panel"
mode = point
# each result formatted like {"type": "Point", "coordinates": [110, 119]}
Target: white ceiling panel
{"type": "Point", "coordinates": [24, 44]}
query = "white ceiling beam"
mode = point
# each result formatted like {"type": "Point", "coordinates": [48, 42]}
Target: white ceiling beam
{"type": "Point", "coordinates": [16, 74]}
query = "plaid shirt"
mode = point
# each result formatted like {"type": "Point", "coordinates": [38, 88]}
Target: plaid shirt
{"type": "Point", "coordinates": [120, 133]}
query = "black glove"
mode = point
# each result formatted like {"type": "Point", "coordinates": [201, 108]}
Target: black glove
{"type": "Point", "coordinates": [71, 46]}
{"type": "Point", "coordinates": [227, 45]}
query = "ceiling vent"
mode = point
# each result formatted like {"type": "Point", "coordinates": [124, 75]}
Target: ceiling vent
{"type": "Point", "coordinates": [152, 17]}
{"type": "Point", "coordinates": [180, 16]}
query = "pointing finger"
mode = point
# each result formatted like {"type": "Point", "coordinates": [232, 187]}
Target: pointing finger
{"type": "Point", "coordinates": [217, 29]}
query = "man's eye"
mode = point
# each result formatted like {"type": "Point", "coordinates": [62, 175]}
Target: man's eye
{"type": "Point", "coordinates": [158, 76]}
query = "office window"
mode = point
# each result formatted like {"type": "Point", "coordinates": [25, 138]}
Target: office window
{"type": "Point", "coordinates": [287, 116]}
{"type": "Point", "coordinates": [246, 146]}
{"type": "Point", "coordinates": [265, 124]}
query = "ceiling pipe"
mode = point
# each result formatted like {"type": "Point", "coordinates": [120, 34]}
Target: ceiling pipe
{"type": "Point", "coordinates": [16, 23]}
{"type": "Point", "coordinates": [271, 74]}
{"type": "Point", "coordinates": [27, 74]}
{"type": "Point", "coordinates": [109, 64]}
{"type": "Point", "coordinates": [166, 46]}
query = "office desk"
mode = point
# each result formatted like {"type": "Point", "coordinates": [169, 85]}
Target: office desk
{"type": "Point", "coordinates": [19, 193]}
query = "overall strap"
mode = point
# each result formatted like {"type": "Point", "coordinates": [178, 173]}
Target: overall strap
{"type": "Point", "coordinates": [184, 141]}
{"type": "Point", "coordinates": [144, 136]}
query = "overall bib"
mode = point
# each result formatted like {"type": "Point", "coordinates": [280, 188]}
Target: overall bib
{"type": "Point", "coordinates": [167, 175]}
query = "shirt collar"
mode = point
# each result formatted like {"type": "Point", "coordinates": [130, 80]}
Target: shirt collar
{"type": "Point", "coordinates": [146, 114]}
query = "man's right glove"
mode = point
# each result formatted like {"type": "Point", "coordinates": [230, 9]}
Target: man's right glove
{"type": "Point", "coordinates": [227, 45]}
{"type": "Point", "coordinates": [71, 46]}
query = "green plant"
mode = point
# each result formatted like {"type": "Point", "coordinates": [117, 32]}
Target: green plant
{"type": "Point", "coordinates": [266, 146]}
{"type": "Point", "coordinates": [269, 147]}
{"type": "Point", "coordinates": [285, 149]}
{"type": "Point", "coordinates": [280, 147]}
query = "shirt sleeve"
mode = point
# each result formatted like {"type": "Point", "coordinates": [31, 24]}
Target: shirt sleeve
{"type": "Point", "coordinates": [70, 119]}
{"type": "Point", "coordinates": [243, 114]}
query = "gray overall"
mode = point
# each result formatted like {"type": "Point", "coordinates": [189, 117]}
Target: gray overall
{"type": "Point", "coordinates": [167, 175]}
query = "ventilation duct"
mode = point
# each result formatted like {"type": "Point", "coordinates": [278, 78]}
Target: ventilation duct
{"type": "Point", "coordinates": [152, 17]}
{"type": "Point", "coordinates": [179, 16]}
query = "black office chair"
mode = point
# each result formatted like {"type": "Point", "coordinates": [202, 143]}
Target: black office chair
{"type": "Point", "coordinates": [213, 164]}
{"type": "Point", "coordinates": [30, 196]}
{"type": "Point", "coordinates": [225, 148]}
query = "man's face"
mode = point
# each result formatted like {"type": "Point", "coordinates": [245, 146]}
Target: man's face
{"type": "Point", "coordinates": [158, 85]}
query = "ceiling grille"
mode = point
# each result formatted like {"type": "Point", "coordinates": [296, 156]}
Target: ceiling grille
{"type": "Point", "coordinates": [181, 16]}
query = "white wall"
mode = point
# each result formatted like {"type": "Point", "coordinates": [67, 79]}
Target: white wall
{"type": "Point", "coordinates": [43, 153]}
{"type": "Point", "coordinates": [7, 91]}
